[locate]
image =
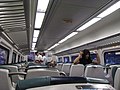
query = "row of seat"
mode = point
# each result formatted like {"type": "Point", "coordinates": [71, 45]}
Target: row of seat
{"type": "Point", "coordinates": [95, 71]}
{"type": "Point", "coordinates": [5, 82]}
{"type": "Point", "coordinates": [33, 72]}
{"type": "Point", "coordinates": [14, 68]}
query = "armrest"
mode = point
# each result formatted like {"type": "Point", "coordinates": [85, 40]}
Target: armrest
{"type": "Point", "coordinates": [62, 73]}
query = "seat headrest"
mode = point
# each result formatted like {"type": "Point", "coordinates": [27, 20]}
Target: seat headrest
{"type": "Point", "coordinates": [2, 67]}
{"type": "Point", "coordinates": [66, 80]}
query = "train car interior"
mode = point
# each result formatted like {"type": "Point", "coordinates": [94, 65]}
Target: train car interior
{"type": "Point", "coordinates": [42, 44]}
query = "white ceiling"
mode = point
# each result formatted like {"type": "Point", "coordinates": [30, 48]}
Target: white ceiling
{"type": "Point", "coordinates": [17, 19]}
{"type": "Point", "coordinates": [55, 28]}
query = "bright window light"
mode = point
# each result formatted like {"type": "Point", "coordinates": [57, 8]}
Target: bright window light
{"type": "Point", "coordinates": [94, 20]}
{"type": "Point", "coordinates": [69, 36]}
{"type": "Point", "coordinates": [39, 19]}
{"type": "Point", "coordinates": [110, 10]}
{"type": "Point", "coordinates": [42, 5]}
{"type": "Point", "coordinates": [35, 39]}
{"type": "Point", "coordinates": [33, 45]}
{"type": "Point", "coordinates": [36, 33]}
{"type": "Point", "coordinates": [53, 46]}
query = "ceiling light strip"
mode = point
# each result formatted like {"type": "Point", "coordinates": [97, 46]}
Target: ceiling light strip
{"type": "Point", "coordinates": [63, 40]}
{"type": "Point", "coordinates": [35, 39]}
{"type": "Point", "coordinates": [53, 46]}
{"type": "Point", "coordinates": [69, 36]}
{"type": "Point", "coordinates": [110, 10]}
{"type": "Point", "coordinates": [33, 45]}
{"type": "Point", "coordinates": [103, 14]}
{"type": "Point", "coordinates": [94, 20]}
{"type": "Point", "coordinates": [36, 33]}
{"type": "Point", "coordinates": [39, 19]}
{"type": "Point", "coordinates": [42, 5]}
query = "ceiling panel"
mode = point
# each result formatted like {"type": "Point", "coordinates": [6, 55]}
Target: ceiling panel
{"type": "Point", "coordinates": [19, 37]}
{"type": "Point", "coordinates": [13, 22]}
{"type": "Point", "coordinates": [75, 11]}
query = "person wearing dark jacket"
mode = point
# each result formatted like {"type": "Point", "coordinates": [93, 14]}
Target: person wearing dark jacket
{"type": "Point", "coordinates": [84, 58]}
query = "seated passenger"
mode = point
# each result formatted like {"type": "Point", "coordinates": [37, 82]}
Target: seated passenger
{"type": "Point", "coordinates": [84, 58]}
{"type": "Point", "coordinates": [45, 59]}
{"type": "Point", "coordinates": [52, 62]}
{"type": "Point", "coordinates": [38, 58]}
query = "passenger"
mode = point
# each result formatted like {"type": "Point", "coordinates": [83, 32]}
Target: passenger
{"type": "Point", "coordinates": [84, 58]}
{"type": "Point", "coordinates": [38, 58]}
{"type": "Point", "coordinates": [45, 59]}
{"type": "Point", "coordinates": [53, 61]}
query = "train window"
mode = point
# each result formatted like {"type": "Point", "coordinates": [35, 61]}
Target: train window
{"type": "Point", "coordinates": [66, 59]}
{"type": "Point", "coordinates": [112, 57]}
{"type": "Point", "coordinates": [31, 56]}
{"type": "Point", "coordinates": [21, 59]}
{"type": "Point", "coordinates": [93, 56]}
{"type": "Point", "coordinates": [59, 60]}
{"type": "Point", "coordinates": [4, 55]}
{"type": "Point", "coordinates": [73, 58]}
{"type": "Point", "coordinates": [14, 57]}
{"type": "Point", "coordinates": [18, 58]}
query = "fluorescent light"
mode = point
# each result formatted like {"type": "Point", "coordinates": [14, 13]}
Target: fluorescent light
{"type": "Point", "coordinates": [45, 51]}
{"type": "Point", "coordinates": [42, 5]}
{"type": "Point", "coordinates": [32, 48]}
{"type": "Point", "coordinates": [110, 10]}
{"type": "Point", "coordinates": [7, 37]}
{"type": "Point", "coordinates": [33, 45]}
{"type": "Point", "coordinates": [39, 19]}
{"type": "Point", "coordinates": [36, 33]}
{"type": "Point", "coordinates": [53, 46]}
{"type": "Point", "coordinates": [35, 39]}
{"type": "Point", "coordinates": [69, 36]}
{"type": "Point", "coordinates": [16, 46]}
{"type": "Point", "coordinates": [94, 20]}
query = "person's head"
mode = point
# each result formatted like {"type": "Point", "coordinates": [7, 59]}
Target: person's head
{"type": "Point", "coordinates": [36, 53]}
{"type": "Point", "coordinates": [86, 54]}
{"type": "Point", "coordinates": [43, 54]}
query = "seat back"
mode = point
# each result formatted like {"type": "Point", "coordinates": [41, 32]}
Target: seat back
{"type": "Point", "coordinates": [13, 68]}
{"type": "Point", "coordinates": [5, 81]}
{"type": "Point", "coordinates": [117, 79]}
{"type": "Point", "coordinates": [95, 71]}
{"type": "Point", "coordinates": [77, 70]}
{"type": "Point", "coordinates": [112, 71]}
{"type": "Point", "coordinates": [66, 68]}
{"type": "Point", "coordinates": [32, 73]}
{"type": "Point", "coordinates": [59, 66]}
